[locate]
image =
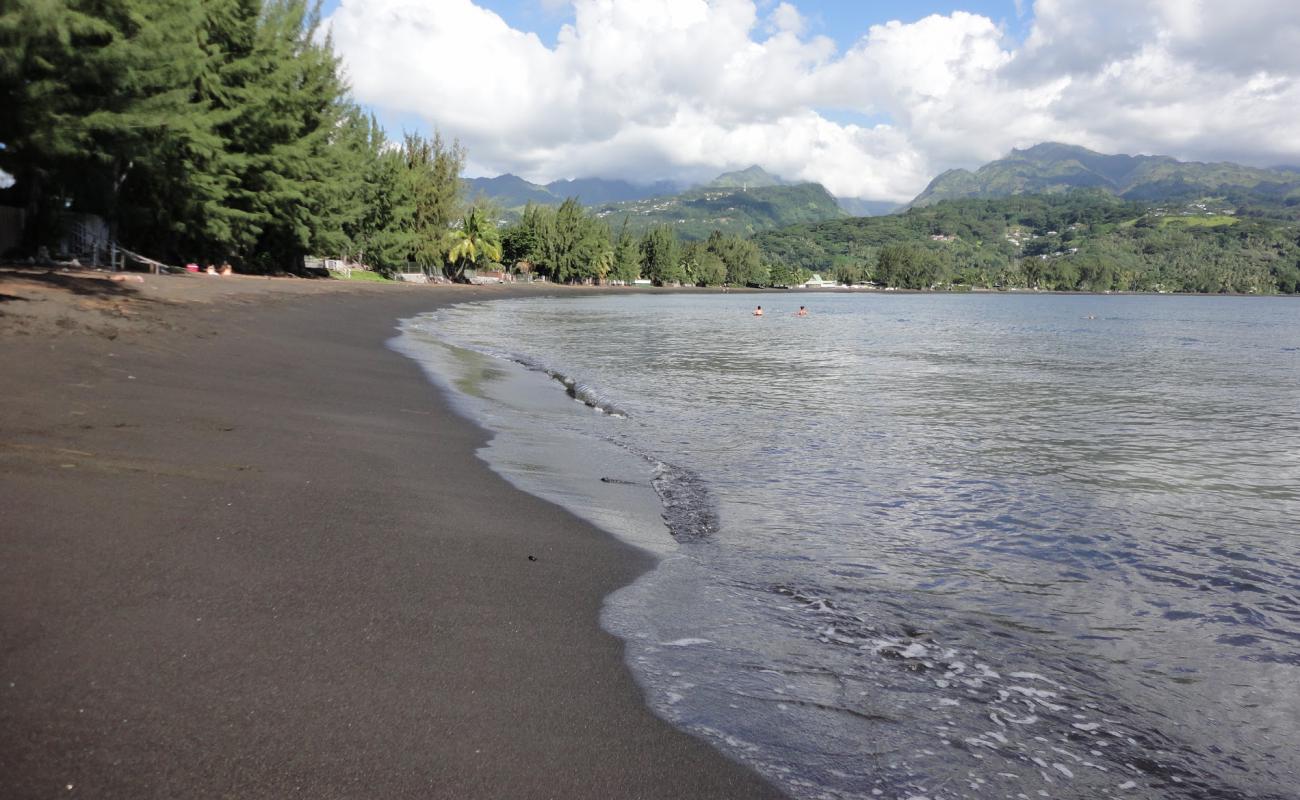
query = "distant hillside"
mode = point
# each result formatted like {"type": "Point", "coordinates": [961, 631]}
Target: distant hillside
{"type": "Point", "coordinates": [512, 192]}
{"type": "Point", "coordinates": [754, 177]}
{"type": "Point", "coordinates": [1089, 240]}
{"type": "Point", "coordinates": [597, 191]}
{"type": "Point", "coordinates": [698, 212]}
{"type": "Point", "coordinates": [858, 207]}
{"type": "Point", "coordinates": [1052, 168]}
{"type": "Point", "coordinates": [742, 202]}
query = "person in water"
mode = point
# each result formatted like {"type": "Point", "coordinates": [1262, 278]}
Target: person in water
{"type": "Point", "coordinates": [803, 312]}
{"type": "Point", "coordinates": [758, 312]}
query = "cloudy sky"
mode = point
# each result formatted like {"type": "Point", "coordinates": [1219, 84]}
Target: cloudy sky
{"type": "Point", "coordinates": [870, 97]}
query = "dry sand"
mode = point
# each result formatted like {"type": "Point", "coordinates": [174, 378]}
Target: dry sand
{"type": "Point", "coordinates": [247, 551]}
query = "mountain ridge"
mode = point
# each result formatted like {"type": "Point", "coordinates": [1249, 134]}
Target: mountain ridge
{"type": "Point", "coordinates": [743, 201]}
{"type": "Point", "coordinates": [1056, 167]}
{"type": "Point", "coordinates": [751, 177]}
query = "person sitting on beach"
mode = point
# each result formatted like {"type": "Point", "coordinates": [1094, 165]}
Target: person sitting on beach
{"type": "Point", "coordinates": [758, 312]}
{"type": "Point", "coordinates": [802, 312]}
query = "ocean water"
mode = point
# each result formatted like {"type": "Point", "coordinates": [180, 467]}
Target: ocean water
{"type": "Point", "coordinates": [923, 545]}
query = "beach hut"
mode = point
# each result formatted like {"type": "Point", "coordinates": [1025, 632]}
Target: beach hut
{"type": "Point", "coordinates": [816, 282]}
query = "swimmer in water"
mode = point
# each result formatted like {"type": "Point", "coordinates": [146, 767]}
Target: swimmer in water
{"type": "Point", "coordinates": [802, 312]}
{"type": "Point", "coordinates": [758, 312]}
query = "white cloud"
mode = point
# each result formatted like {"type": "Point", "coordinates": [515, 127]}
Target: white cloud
{"type": "Point", "coordinates": [685, 88]}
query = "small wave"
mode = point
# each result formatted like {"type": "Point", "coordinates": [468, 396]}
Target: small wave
{"type": "Point", "coordinates": [578, 389]}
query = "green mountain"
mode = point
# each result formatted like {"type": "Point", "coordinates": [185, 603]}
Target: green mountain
{"type": "Point", "coordinates": [1087, 240]}
{"type": "Point", "coordinates": [1053, 168]}
{"type": "Point", "coordinates": [754, 177]}
{"type": "Point", "coordinates": [859, 207]}
{"type": "Point", "coordinates": [594, 191]}
{"type": "Point", "coordinates": [510, 191]}
{"type": "Point", "coordinates": [741, 202]}
{"type": "Point", "coordinates": [698, 212]}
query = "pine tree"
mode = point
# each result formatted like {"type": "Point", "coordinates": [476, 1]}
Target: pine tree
{"type": "Point", "coordinates": [433, 181]}
{"type": "Point", "coordinates": [661, 254]}
{"type": "Point", "coordinates": [92, 90]}
{"type": "Point", "coordinates": [627, 256]}
{"type": "Point", "coordinates": [210, 129]}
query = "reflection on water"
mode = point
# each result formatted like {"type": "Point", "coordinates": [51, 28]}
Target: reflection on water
{"type": "Point", "coordinates": [974, 546]}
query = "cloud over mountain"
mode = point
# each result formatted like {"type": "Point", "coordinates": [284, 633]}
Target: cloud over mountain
{"type": "Point", "coordinates": [684, 88]}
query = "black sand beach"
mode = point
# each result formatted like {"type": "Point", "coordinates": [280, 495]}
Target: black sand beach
{"type": "Point", "coordinates": [247, 551]}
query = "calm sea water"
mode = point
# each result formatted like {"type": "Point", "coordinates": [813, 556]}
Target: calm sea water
{"type": "Point", "coordinates": [930, 546]}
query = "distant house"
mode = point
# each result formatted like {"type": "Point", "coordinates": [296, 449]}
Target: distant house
{"type": "Point", "coordinates": [817, 282]}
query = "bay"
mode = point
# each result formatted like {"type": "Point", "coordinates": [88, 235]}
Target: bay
{"type": "Point", "coordinates": [929, 545]}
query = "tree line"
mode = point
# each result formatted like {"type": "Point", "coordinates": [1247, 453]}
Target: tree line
{"type": "Point", "coordinates": [1078, 241]}
{"type": "Point", "coordinates": [210, 129]}
{"type": "Point", "coordinates": [571, 244]}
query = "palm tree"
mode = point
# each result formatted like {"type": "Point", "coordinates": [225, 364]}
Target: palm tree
{"type": "Point", "coordinates": [476, 239]}
{"type": "Point", "coordinates": [604, 264]}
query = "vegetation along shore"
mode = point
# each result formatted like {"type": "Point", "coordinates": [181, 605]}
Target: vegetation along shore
{"type": "Point", "coordinates": [254, 153]}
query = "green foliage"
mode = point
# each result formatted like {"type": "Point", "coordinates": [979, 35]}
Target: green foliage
{"type": "Point", "coordinates": [475, 242]}
{"type": "Point", "coordinates": [525, 240]}
{"type": "Point", "coordinates": [576, 247]}
{"type": "Point", "coordinates": [570, 244]}
{"type": "Point", "coordinates": [209, 129]}
{"type": "Point", "coordinates": [740, 258]}
{"type": "Point", "coordinates": [627, 256]}
{"type": "Point", "coordinates": [566, 243]}
{"type": "Point", "coordinates": [661, 256]}
{"type": "Point", "coordinates": [364, 276]}
{"type": "Point", "coordinates": [433, 180]}
{"type": "Point", "coordinates": [909, 266]}
{"type": "Point", "coordinates": [1207, 221]}
{"type": "Point", "coordinates": [696, 213]}
{"type": "Point", "coordinates": [1066, 242]}
{"type": "Point", "coordinates": [90, 91]}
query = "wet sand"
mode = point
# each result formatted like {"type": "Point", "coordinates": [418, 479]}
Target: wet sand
{"type": "Point", "coordinates": [247, 551]}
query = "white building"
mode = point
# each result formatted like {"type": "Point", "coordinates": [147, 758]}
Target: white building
{"type": "Point", "coordinates": [816, 282]}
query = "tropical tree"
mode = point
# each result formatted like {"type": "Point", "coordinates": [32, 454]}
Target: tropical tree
{"type": "Point", "coordinates": [604, 263]}
{"type": "Point", "coordinates": [475, 241]}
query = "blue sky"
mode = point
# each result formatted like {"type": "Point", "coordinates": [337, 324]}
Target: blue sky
{"type": "Point", "coordinates": [683, 89]}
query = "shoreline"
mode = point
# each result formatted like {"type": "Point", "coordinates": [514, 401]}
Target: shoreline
{"type": "Point", "coordinates": [250, 550]}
